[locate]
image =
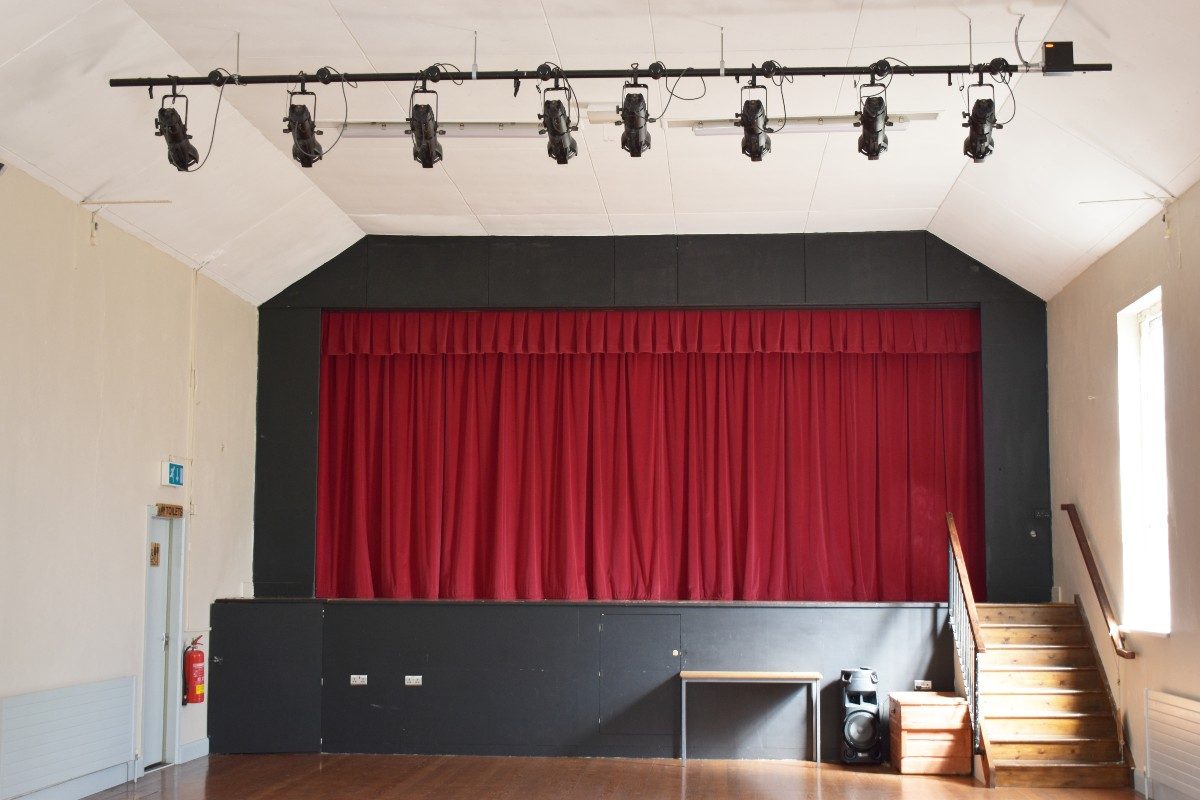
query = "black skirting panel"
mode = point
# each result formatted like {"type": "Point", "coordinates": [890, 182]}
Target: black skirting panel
{"type": "Point", "coordinates": [549, 678]}
{"type": "Point", "coordinates": [912, 269]}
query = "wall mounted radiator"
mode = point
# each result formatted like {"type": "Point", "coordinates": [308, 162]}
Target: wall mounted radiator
{"type": "Point", "coordinates": [1172, 745]}
{"type": "Point", "coordinates": [53, 737]}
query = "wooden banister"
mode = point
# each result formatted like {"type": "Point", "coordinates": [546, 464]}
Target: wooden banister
{"type": "Point", "coordinates": [960, 565]}
{"type": "Point", "coordinates": [1110, 619]}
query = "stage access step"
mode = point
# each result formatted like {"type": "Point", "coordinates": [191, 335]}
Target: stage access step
{"type": "Point", "coordinates": [1046, 714]}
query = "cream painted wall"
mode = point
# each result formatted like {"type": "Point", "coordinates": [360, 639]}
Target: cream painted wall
{"type": "Point", "coordinates": [1084, 444]}
{"type": "Point", "coordinates": [96, 343]}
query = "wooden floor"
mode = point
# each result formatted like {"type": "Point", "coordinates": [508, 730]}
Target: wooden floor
{"type": "Point", "coordinates": [340, 777]}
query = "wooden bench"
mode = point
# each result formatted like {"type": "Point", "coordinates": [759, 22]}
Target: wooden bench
{"type": "Point", "coordinates": [811, 679]}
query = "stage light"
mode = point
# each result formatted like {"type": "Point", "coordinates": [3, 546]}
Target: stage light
{"type": "Point", "coordinates": [753, 121]}
{"type": "Point", "coordinates": [181, 153]}
{"type": "Point", "coordinates": [423, 128]}
{"type": "Point", "coordinates": [979, 143]}
{"type": "Point", "coordinates": [305, 148]}
{"type": "Point", "coordinates": [556, 123]}
{"type": "Point", "coordinates": [873, 119]}
{"type": "Point", "coordinates": [635, 116]}
{"type": "Point", "coordinates": [422, 124]}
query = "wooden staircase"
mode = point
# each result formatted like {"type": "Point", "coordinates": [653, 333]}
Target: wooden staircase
{"type": "Point", "coordinates": [1047, 716]}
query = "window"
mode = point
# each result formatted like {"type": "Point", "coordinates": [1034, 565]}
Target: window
{"type": "Point", "coordinates": [1147, 586]}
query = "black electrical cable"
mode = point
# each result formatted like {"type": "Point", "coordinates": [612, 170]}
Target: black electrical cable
{"type": "Point", "coordinates": [345, 109]}
{"type": "Point", "coordinates": [783, 100]}
{"type": "Point", "coordinates": [572, 99]}
{"type": "Point", "coordinates": [1005, 80]}
{"type": "Point", "coordinates": [671, 91]}
{"type": "Point", "coordinates": [213, 137]}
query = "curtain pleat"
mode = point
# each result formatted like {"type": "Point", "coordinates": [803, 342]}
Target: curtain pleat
{"type": "Point", "coordinates": [790, 455]}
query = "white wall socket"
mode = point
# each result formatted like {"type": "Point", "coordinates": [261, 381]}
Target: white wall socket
{"type": "Point", "coordinates": [923, 686]}
{"type": "Point", "coordinates": [358, 680]}
{"type": "Point", "coordinates": [412, 680]}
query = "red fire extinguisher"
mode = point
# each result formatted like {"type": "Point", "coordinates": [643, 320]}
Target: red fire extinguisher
{"type": "Point", "coordinates": [193, 672]}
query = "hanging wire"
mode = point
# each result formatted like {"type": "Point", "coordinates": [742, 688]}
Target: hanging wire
{"type": "Point", "coordinates": [345, 108]}
{"type": "Point", "coordinates": [672, 95]}
{"type": "Point", "coordinates": [782, 98]}
{"type": "Point", "coordinates": [216, 114]}
{"type": "Point", "coordinates": [572, 99]}
{"type": "Point", "coordinates": [1004, 79]}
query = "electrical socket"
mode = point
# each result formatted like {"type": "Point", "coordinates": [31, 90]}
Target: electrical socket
{"type": "Point", "coordinates": [358, 680]}
{"type": "Point", "coordinates": [412, 680]}
{"type": "Point", "coordinates": [923, 686]}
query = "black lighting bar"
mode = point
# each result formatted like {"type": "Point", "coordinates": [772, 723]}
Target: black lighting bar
{"type": "Point", "coordinates": [326, 76]}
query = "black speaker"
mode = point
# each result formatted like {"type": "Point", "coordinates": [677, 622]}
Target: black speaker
{"type": "Point", "coordinates": [862, 729]}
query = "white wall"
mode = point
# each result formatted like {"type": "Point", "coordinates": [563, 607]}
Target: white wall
{"type": "Point", "coordinates": [96, 346]}
{"type": "Point", "coordinates": [1084, 444]}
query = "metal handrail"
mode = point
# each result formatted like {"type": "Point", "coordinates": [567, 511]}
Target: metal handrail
{"type": "Point", "coordinates": [964, 622]}
{"type": "Point", "coordinates": [1110, 618]}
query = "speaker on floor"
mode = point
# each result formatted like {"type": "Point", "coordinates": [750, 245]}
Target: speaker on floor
{"type": "Point", "coordinates": [862, 728]}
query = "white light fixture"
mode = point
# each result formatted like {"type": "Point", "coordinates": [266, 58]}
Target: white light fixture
{"type": "Point", "coordinates": [395, 129]}
{"type": "Point", "coordinates": [830, 124]}
{"type": "Point", "coordinates": [460, 130]}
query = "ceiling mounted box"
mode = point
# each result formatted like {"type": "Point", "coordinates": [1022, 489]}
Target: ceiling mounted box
{"type": "Point", "coordinates": [1058, 58]}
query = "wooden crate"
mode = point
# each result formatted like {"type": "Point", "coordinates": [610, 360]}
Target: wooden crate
{"type": "Point", "coordinates": [930, 733]}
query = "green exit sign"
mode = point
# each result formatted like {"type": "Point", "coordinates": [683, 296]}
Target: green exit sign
{"type": "Point", "coordinates": [172, 473]}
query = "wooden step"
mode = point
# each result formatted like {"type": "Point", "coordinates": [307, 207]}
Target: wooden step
{"type": "Point", "coordinates": [1014, 633]}
{"type": "Point", "coordinates": [1027, 613]}
{"type": "Point", "coordinates": [1013, 678]}
{"type": "Point", "coordinates": [1050, 723]}
{"type": "Point", "coordinates": [1061, 774]}
{"type": "Point", "coordinates": [1034, 655]}
{"type": "Point", "coordinates": [1055, 748]}
{"type": "Point", "coordinates": [1033, 702]}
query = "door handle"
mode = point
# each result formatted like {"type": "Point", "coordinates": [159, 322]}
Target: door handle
{"type": "Point", "coordinates": [675, 653]}
{"type": "Point", "coordinates": [215, 659]}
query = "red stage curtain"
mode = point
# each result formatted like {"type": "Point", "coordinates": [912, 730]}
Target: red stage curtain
{"type": "Point", "coordinates": [666, 455]}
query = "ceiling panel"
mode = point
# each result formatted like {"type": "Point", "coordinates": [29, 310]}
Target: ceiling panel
{"type": "Point", "coordinates": [642, 224]}
{"type": "Point", "coordinates": [709, 174]}
{"type": "Point", "coordinates": [887, 219]}
{"type": "Point", "coordinates": [547, 224]}
{"type": "Point", "coordinates": [745, 221]}
{"type": "Point", "coordinates": [916, 171]}
{"type": "Point", "coordinates": [419, 224]}
{"type": "Point", "coordinates": [27, 23]}
{"type": "Point", "coordinates": [516, 177]}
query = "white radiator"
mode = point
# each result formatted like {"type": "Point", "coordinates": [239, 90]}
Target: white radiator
{"type": "Point", "coordinates": [1172, 744]}
{"type": "Point", "coordinates": [50, 738]}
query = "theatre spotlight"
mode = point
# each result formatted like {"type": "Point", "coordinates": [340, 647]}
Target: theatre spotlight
{"type": "Point", "coordinates": [305, 148]}
{"type": "Point", "coordinates": [561, 144]}
{"type": "Point", "coordinates": [635, 116]}
{"type": "Point", "coordinates": [181, 153]}
{"type": "Point", "coordinates": [753, 121]}
{"type": "Point", "coordinates": [423, 127]}
{"type": "Point", "coordinates": [873, 119]}
{"type": "Point", "coordinates": [979, 143]}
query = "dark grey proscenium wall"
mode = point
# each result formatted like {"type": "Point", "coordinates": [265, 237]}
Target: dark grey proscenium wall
{"type": "Point", "coordinates": [910, 269]}
{"type": "Point", "coordinates": [585, 679]}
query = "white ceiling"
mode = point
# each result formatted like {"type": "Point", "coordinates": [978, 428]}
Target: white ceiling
{"type": "Point", "coordinates": [256, 221]}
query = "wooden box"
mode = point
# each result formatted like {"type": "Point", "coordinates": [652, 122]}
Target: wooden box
{"type": "Point", "coordinates": [930, 733]}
